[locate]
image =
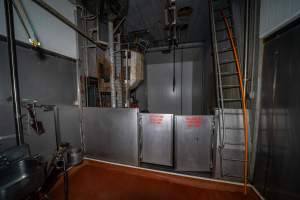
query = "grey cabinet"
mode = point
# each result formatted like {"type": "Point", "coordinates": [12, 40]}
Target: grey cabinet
{"type": "Point", "coordinates": [193, 136]}
{"type": "Point", "coordinates": [157, 138]}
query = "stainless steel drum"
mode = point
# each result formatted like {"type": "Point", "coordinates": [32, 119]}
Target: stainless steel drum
{"type": "Point", "coordinates": [75, 156]}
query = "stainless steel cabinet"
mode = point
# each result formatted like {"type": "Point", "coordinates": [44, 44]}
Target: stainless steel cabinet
{"type": "Point", "coordinates": [193, 136]}
{"type": "Point", "coordinates": [157, 138]}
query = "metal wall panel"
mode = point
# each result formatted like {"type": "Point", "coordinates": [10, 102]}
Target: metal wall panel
{"type": "Point", "coordinates": [157, 138]}
{"type": "Point", "coordinates": [160, 83]}
{"type": "Point", "coordinates": [68, 125]}
{"type": "Point", "coordinates": [193, 137]}
{"type": "Point", "coordinates": [46, 78]}
{"type": "Point", "coordinates": [277, 163]}
{"type": "Point", "coordinates": [192, 93]}
{"type": "Point", "coordinates": [111, 134]}
{"type": "Point", "coordinates": [275, 14]}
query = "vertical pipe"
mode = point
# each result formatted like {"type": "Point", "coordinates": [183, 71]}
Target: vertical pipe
{"type": "Point", "coordinates": [66, 180]}
{"type": "Point", "coordinates": [13, 69]}
{"type": "Point", "coordinates": [78, 75]}
{"type": "Point", "coordinates": [112, 62]}
{"type": "Point", "coordinates": [246, 44]}
{"type": "Point", "coordinates": [126, 80]}
{"type": "Point", "coordinates": [181, 78]}
{"type": "Point", "coordinates": [86, 53]}
{"type": "Point", "coordinates": [56, 126]}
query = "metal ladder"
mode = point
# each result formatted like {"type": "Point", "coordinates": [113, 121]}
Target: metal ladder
{"type": "Point", "coordinates": [231, 101]}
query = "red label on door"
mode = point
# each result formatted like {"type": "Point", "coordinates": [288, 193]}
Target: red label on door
{"type": "Point", "coordinates": [156, 119]}
{"type": "Point", "coordinates": [193, 122]}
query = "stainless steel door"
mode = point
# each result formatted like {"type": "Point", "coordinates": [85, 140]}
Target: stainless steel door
{"type": "Point", "coordinates": [157, 138]}
{"type": "Point", "coordinates": [193, 142]}
{"type": "Point", "coordinates": [111, 134]}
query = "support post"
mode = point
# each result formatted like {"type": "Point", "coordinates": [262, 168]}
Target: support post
{"type": "Point", "coordinates": [11, 43]}
{"type": "Point", "coordinates": [112, 62]}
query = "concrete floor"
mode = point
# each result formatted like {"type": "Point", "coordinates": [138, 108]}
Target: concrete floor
{"type": "Point", "coordinates": [98, 180]}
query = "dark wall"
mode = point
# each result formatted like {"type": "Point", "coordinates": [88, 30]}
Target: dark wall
{"type": "Point", "coordinates": [47, 78]}
{"type": "Point", "coordinates": [278, 151]}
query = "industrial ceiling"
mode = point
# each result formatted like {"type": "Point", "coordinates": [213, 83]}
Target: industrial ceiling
{"type": "Point", "coordinates": [149, 15]}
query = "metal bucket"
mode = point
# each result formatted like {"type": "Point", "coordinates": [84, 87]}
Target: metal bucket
{"type": "Point", "coordinates": [75, 156]}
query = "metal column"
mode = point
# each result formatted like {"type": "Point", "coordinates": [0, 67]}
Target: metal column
{"type": "Point", "coordinates": [112, 63]}
{"type": "Point", "coordinates": [13, 70]}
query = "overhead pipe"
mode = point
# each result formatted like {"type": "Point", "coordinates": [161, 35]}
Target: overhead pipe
{"type": "Point", "coordinates": [12, 55]}
{"type": "Point", "coordinates": [119, 24]}
{"type": "Point", "coordinates": [63, 19]}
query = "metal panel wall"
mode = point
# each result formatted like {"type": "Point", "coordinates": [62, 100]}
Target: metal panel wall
{"type": "Point", "coordinates": [193, 137]}
{"type": "Point", "coordinates": [277, 164]}
{"type": "Point", "coordinates": [157, 138]}
{"type": "Point", "coordinates": [275, 14]}
{"type": "Point", "coordinates": [160, 83]}
{"type": "Point", "coordinates": [46, 78]}
{"type": "Point", "coordinates": [111, 134]}
{"type": "Point", "coordinates": [68, 125]}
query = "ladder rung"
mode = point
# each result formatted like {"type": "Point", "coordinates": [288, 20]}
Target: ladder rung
{"type": "Point", "coordinates": [222, 29]}
{"type": "Point", "coordinates": [233, 128]}
{"type": "Point", "coordinates": [221, 20]}
{"type": "Point", "coordinates": [225, 50]}
{"type": "Point", "coordinates": [232, 100]}
{"type": "Point", "coordinates": [234, 160]}
{"type": "Point", "coordinates": [228, 62]}
{"type": "Point", "coordinates": [220, 41]}
{"type": "Point", "coordinates": [230, 86]}
{"type": "Point", "coordinates": [228, 74]}
{"type": "Point", "coordinates": [235, 144]}
{"type": "Point", "coordinates": [219, 9]}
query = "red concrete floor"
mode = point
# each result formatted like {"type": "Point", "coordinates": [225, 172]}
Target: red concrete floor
{"type": "Point", "coordinates": [102, 181]}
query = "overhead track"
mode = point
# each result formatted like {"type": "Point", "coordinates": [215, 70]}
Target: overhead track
{"type": "Point", "coordinates": [41, 3]}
